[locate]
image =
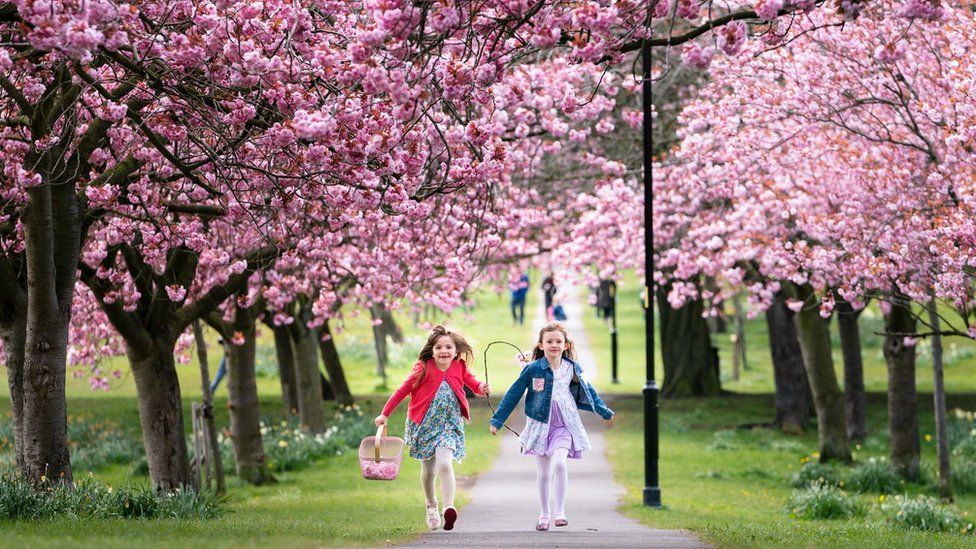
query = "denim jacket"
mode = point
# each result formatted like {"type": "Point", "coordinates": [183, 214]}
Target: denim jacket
{"type": "Point", "coordinates": [537, 379]}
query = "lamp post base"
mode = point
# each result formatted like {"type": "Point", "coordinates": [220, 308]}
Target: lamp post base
{"type": "Point", "coordinates": [652, 497]}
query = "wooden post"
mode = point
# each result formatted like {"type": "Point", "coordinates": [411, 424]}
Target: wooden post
{"type": "Point", "coordinates": [213, 449]}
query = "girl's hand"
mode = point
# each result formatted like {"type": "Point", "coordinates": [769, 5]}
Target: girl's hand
{"type": "Point", "coordinates": [380, 420]}
{"type": "Point", "coordinates": [610, 421]}
{"type": "Point", "coordinates": [494, 431]}
{"type": "Point", "coordinates": [486, 389]}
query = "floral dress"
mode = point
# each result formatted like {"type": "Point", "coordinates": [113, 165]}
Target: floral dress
{"type": "Point", "coordinates": [564, 428]}
{"type": "Point", "coordinates": [442, 427]}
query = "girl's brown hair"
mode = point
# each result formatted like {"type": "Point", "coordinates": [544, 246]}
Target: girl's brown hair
{"type": "Point", "coordinates": [570, 351]}
{"type": "Point", "coordinates": [461, 345]}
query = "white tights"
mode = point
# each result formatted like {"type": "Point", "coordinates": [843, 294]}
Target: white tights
{"type": "Point", "coordinates": [441, 465]}
{"type": "Point", "coordinates": [549, 469]}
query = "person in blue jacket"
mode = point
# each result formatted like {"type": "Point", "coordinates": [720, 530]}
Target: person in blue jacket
{"type": "Point", "coordinates": [557, 391]}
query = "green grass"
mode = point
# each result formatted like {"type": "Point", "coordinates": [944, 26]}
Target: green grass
{"type": "Point", "coordinates": [757, 377]}
{"type": "Point", "coordinates": [736, 497]}
{"type": "Point", "coordinates": [327, 503]}
{"type": "Point", "coordinates": [729, 485]}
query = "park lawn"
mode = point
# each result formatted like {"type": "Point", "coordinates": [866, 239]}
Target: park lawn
{"type": "Point", "coordinates": [757, 377]}
{"type": "Point", "coordinates": [736, 496]}
{"type": "Point", "coordinates": [326, 503]}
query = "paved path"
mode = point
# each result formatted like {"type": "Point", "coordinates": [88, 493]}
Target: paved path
{"type": "Point", "coordinates": [504, 505]}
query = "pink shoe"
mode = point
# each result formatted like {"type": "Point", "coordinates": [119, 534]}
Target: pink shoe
{"type": "Point", "coordinates": [542, 524]}
{"type": "Point", "coordinates": [450, 517]}
{"type": "Point", "coordinates": [433, 518]}
{"type": "Point", "coordinates": [561, 520]}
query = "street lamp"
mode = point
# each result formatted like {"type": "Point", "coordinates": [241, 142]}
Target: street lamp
{"type": "Point", "coordinates": [652, 491]}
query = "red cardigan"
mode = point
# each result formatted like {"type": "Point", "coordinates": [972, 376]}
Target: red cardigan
{"type": "Point", "coordinates": [457, 375]}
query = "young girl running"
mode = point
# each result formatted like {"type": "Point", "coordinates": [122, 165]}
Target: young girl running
{"type": "Point", "coordinates": [553, 430]}
{"type": "Point", "coordinates": [434, 427]}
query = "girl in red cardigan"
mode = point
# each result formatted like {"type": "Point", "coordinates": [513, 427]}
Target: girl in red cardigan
{"type": "Point", "coordinates": [435, 426]}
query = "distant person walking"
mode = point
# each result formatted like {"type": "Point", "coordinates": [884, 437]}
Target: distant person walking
{"type": "Point", "coordinates": [519, 289]}
{"type": "Point", "coordinates": [549, 291]}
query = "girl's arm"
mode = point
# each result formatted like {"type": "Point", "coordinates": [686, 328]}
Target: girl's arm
{"type": "Point", "coordinates": [511, 398]}
{"type": "Point", "coordinates": [472, 382]}
{"type": "Point", "coordinates": [403, 390]}
{"type": "Point", "coordinates": [598, 405]}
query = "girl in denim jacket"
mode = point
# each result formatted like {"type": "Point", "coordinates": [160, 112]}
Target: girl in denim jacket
{"type": "Point", "coordinates": [436, 415]}
{"type": "Point", "coordinates": [553, 429]}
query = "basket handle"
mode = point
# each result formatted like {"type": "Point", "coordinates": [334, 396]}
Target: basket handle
{"type": "Point", "coordinates": [380, 432]}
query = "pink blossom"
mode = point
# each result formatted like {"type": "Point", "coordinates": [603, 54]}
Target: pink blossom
{"type": "Point", "coordinates": [768, 10]}
{"type": "Point", "coordinates": [175, 292]}
{"type": "Point", "coordinates": [731, 37]}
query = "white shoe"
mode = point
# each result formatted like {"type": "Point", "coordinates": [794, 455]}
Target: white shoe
{"type": "Point", "coordinates": [433, 517]}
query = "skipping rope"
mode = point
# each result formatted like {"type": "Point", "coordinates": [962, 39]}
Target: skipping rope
{"type": "Point", "coordinates": [488, 398]}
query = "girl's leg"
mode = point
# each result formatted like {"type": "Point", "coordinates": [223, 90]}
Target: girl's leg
{"type": "Point", "coordinates": [445, 470]}
{"type": "Point", "coordinates": [560, 473]}
{"type": "Point", "coordinates": [427, 474]}
{"type": "Point", "coordinates": [543, 473]}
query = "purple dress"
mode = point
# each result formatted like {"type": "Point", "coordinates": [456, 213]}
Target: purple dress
{"type": "Point", "coordinates": [564, 428]}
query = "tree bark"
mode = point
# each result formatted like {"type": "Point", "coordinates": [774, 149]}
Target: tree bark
{"type": "Point", "coordinates": [793, 399]}
{"type": "Point", "coordinates": [333, 367]}
{"type": "Point", "coordinates": [286, 368]}
{"type": "Point", "coordinates": [208, 413]}
{"type": "Point", "coordinates": [938, 397]}
{"type": "Point", "coordinates": [902, 405]}
{"type": "Point", "coordinates": [161, 412]}
{"type": "Point", "coordinates": [242, 387]}
{"type": "Point", "coordinates": [14, 333]}
{"type": "Point", "coordinates": [390, 326]}
{"type": "Point", "coordinates": [690, 362]}
{"type": "Point", "coordinates": [855, 405]}
{"type": "Point", "coordinates": [379, 341]}
{"type": "Point", "coordinates": [739, 348]}
{"type": "Point", "coordinates": [813, 333]}
{"type": "Point", "coordinates": [311, 410]}
{"type": "Point", "coordinates": [52, 243]}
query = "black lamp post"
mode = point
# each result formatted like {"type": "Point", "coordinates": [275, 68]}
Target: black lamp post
{"type": "Point", "coordinates": [652, 491]}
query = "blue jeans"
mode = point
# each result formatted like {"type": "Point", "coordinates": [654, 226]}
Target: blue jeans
{"type": "Point", "coordinates": [221, 372]}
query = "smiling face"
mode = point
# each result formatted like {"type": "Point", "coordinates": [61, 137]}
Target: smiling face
{"type": "Point", "coordinates": [553, 344]}
{"type": "Point", "coordinates": [444, 351]}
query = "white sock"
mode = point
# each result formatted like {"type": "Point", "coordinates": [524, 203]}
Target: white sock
{"type": "Point", "coordinates": [560, 473]}
{"type": "Point", "coordinates": [444, 462]}
{"type": "Point", "coordinates": [543, 473]}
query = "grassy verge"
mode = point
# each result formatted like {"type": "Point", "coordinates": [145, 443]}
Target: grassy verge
{"type": "Point", "coordinates": [731, 485]}
{"type": "Point", "coordinates": [326, 503]}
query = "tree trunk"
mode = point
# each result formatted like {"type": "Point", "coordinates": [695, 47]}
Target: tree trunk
{"type": "Point", "coordinates": [813, 333]}
{"type": "Point", "coordinates": [793, 399]}
{"type": "Point", "coordinates": [379, 340]}
{"type": "Point", "coordinates": [739, 347]}
{"type": "Point", "coordinates": [938, 397]}
{"type": "Point", "coordinates": [855, 405]}
{"type": "Point", "coordinates": [333, 367]}
{"type": "Point", "coordinates": [14, 333]}
{"type": "Point", "coordinates": [52, 244]}
{"type": "Point", "coordinates": [390, 326]}
{"type": "Point", "coordinates": [161, 413]}
{"type": "Point", "coordinates": [245, 413]}
{"type": "Point", "coordinates": [311, 411]}
{"type": "Point", "coordinates": [286, 368]}
{"type": "Point", "coordinates": [208, 412]}
{"type": "Point", "coordinates": [902, 405]}
{"type": "Point", "coordinates": [690, 362]}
